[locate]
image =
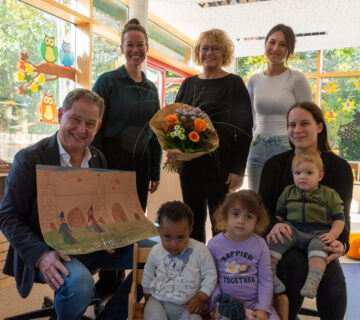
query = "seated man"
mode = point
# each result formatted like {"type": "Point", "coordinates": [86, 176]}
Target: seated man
{"type": "Point", "coordinates": [29, 258]}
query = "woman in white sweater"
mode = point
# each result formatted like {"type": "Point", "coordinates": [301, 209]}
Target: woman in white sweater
{"type": "Point", "coordinates": [272, 93]}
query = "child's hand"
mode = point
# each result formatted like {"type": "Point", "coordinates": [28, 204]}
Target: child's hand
{"type": "Point", "coordinates": [197, 303]}
{"type": "Point", "coordinates": [147, 296]}
{"type": "Point", "coordinates": [327, 237]}
{"type": "Point", "coordinates": [260, 315]}
{"type": "Point", "coordinates": [217, 314]}
{"type": "Point", "coordinates": [249, 313]}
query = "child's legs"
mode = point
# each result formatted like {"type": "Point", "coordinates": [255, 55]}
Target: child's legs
{"type": "Point", "coordinates": [154, 307]}
{"type": "Point", "coordinates": [316, 254]}
{"type": "Point", "coordinates": [317, 265]}
{"type": "Point", "coordinates": [277, 250]}
{"type": "Point", "coordinates": [178, 312]}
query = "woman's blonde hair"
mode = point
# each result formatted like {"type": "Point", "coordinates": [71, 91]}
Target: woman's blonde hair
{"type": "Point", "coordinates": [219, 37]}
{"type": "Point", "coordinates": [250, 201]}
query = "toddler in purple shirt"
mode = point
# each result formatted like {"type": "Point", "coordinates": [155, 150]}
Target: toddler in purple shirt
{"type": "Point", "coordinates": [242, 257]}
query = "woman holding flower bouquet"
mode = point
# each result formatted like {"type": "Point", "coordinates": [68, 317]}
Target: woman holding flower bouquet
{"type": "Point", "coordinates": [131, 100]}
{"type": "Point", "coordinates": [225, 99]}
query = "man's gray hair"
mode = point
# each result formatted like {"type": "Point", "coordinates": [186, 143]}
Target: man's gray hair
{"type": "Point", "coordinates": [81, 93]}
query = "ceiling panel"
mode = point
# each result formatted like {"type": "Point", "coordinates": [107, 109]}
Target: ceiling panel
{"type": "Point", "coordinates": [339, 18]}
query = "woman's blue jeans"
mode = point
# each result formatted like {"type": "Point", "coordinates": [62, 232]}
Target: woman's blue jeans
{"type": "Point", "coordinates": [262, 148]}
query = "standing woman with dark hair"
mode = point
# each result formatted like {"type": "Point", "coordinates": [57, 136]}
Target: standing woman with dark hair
{"type": "Point", "coordinates": [272, 93]}
{"type": "Point", "coordinates": [223, 96]}
{"type": "Point", "coordinates": [130, 102]}
{"type": "Point", "coordinates": [124, 136]}
{"type": "Point", "coordinates": [307, 133]}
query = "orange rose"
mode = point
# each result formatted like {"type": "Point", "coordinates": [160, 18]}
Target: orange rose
{"type": "Point", "coordinates": [171, 118]}
{"type": "Point", "coordinates": [200, 124]}
{"type": "Point", "coordinates": [194, 136]}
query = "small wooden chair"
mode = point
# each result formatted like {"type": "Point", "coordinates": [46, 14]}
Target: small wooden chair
{"type": "Point", "coordinates": [136, 309]}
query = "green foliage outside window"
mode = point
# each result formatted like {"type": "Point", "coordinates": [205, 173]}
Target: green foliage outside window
{"type": "Point", "coordinates": [106, 57]}
{"type": "Point", "coordinates": [341, 60]}
{"type": "Point", "coordinates": [302, 61]}
{"type": "Point", "coordinates": [247, 66]}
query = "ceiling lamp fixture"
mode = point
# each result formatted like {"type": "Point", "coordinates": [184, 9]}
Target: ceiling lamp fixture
{"type": "Point", "coordinates": [211, 4]}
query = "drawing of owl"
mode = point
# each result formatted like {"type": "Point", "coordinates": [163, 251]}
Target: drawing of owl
{"type": "Point", "coordinates": [48, 108]}
{"type": "Point", "coordinates": [66, 57]}
{"type": "Point", "coordinates": [49, 51]}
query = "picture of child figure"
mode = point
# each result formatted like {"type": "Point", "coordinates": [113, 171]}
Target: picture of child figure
{"type": "Point", "coordinates": [65, 230]}
{"type": "Point", "coordinates": [242, 259]}
{"type": "Point", "coordinates": [180, 274]}
{"type": "Point", "coordinates": [93, 221]}
{"type": "Point", "coordinates": [313, 217]}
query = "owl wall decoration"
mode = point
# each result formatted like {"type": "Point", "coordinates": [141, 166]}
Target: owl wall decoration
{"type": "Point", "coordinates": [66, 56]}
{"type": "Point", "coordinates": [48, 49]}
{"type": "Point", "coordinates": [47, 109]}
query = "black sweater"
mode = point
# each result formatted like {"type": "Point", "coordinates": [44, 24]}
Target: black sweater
{"type": "Point", "coordinates": [227, 103]}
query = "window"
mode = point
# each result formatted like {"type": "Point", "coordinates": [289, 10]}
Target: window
{"type": "Point", "coordinates": [166, 79]}
{"type": "Point", "coordinates": [20, 114]}
{"type": "Point", "coordinates": [106, 57]}
{"type": "Point", "coordinates": [341, 60]}
{"type": "Point", "coordinates": [306, 62]}
{"type": "Point", "coordinates": [172, 86]}
{"type": "Point", "coordinates": [110, 13]}
{"type": "Point", "coordinates": [92, 30]}
{"type": "Point", "coordinates": [164, 41]}
{"type": "Point", "coordinates": [339, 100]}
{"type": "Point", "coordinates": [247, 66]}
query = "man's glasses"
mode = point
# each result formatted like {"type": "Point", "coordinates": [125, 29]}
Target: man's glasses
{"type": "Point", "coordinates": [212, 48]}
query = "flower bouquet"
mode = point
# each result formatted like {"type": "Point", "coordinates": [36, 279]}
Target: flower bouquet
{"type": "Point", "coordinates": [185, 132]}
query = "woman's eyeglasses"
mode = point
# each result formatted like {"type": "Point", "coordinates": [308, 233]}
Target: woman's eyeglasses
{"type": "Point", "coordinates": [131, 46]}
{"type": "Point", "coordinates": [212, 48]}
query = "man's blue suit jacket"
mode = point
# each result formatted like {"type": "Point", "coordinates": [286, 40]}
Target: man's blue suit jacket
{"type": "Point", "coordinates": [19, 220]}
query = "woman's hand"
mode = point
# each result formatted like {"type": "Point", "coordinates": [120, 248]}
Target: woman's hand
{"type": "Point", "coordinates": [278, 231]}
{"type": "Point", "coordinates": [336, 249]}
{"type": "Point", "coordinates": [234, 181]}
{"type": "Point", "coordinates": [154, 185]}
